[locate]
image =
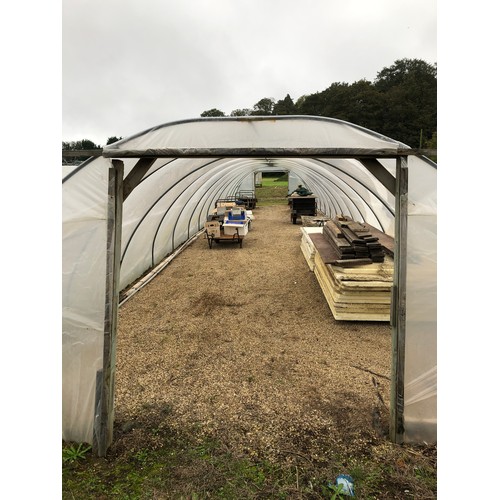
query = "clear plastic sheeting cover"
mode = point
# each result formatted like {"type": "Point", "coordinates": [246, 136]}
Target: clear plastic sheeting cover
{"type": "Point", "coordinates": [84, 210]}
{"type": "Point", "coordinates": [250, 132]}
{"type": "Point", "coordinates": [420, 412]}
{"type": "Point", "coordinates": [172, 201]}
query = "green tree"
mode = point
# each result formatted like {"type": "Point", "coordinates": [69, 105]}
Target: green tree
{"type": "Point", "coordinates": [79, 145]}
{"type": "Point", "coordinates": [431, 143]}
{"type": "Point", "coordinates": [285, 107]}
{"type": "Point", "coordinates": [299, 103]}
{"type": "Point", "coordinates": [213, 112]}
{"type": "Point", "coordinates": [365, 105]}
{"type": "Point", "coordinates": [84, 144]}
{"type": "Point", "coordinates": [406, 72]}
{"type": "Point", "coordinates": [263, 107]}
{"type": "Point", "coordinates": [409, 87]}
{"type": "Point", "coordinates": [241, 112]}
{"type": "Point", "coordinates": [113, 139]}
{"type": "Point", "coordinates": [338, 101]}
{"type": "Point", "coordinates": [312, 104]}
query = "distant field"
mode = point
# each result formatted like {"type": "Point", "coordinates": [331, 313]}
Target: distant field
{"type": "Point", "coordinates": [272, 192]}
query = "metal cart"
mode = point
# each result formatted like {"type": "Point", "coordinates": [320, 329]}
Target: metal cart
{"type": "Point", "coordinates": [301, 205]}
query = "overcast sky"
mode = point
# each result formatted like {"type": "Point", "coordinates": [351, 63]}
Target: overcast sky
{"type": "Point", "coordinates": [129, 65]}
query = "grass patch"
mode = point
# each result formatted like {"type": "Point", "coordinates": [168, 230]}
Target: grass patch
{"type": "Point", "coordinates": [186, 468]}
{"type": "Point", "coordinates": [272, 192]}
{"type": "Point", "coordinates": [181, 469]}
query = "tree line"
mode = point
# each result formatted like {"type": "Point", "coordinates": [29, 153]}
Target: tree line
{"type": "Point", "coordinates": [400, 103]}
{"type": "Point", "coordinates": [83, 145]}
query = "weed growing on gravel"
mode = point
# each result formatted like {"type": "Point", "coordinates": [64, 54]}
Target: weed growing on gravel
{"type": "Point", "coordinates": [333, 492]}
{"type": "Point", "coordinates": [74, 452]}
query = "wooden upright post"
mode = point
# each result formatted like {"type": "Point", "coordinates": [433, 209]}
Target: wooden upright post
{"type": "Point", "coordinates": [398, 310]}
{"type": "Point", "coordinates": [105, 378]}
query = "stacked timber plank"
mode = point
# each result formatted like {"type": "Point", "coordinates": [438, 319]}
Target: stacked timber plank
{"type": "Point", "coordinates": [356, 278]}
{"type": "Point", "coordinates": [353, 240]}
{"type": "Point", "coordinates": [307, 246]}
{"type": "Point", "coordinates": [314, 220]}
{"type": "Point", "coordinates": [361, 293]}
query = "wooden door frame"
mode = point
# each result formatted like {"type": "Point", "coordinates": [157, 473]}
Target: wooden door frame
{"type": "Point", "coordinates": [104, 406]}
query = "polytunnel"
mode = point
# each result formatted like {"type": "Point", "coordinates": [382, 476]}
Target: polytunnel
{"type": "Point", "coordinates": [149, 195]}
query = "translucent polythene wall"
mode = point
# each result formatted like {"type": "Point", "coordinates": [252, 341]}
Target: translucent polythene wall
{"type": "Point", "coordinates": [170, 205]}
{"type": "Point", "coordinates": [420, 387]}
{"type": "Point", "coordinates": [293, 181]}
{"type": "Point", "coordinates": [84, 211]}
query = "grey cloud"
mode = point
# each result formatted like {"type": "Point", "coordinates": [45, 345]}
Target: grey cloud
{"type": "Point", "coordinates": [130, 65]}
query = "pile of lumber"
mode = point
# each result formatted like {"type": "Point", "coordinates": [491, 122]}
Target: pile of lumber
{"type": "Point", "coordinates": [357, 293]}
{"type": "Point", "coordinates": [353, 240]}
{"type": "Point", "coordinates": [314, 220]}
{"type": "Point", "coordinates": [307, 246]}
{"type": "Point", "coordinates": [355, 279]}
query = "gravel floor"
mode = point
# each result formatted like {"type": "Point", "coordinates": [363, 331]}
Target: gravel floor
{"type": "Point", "coordinates": [240, 344]}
